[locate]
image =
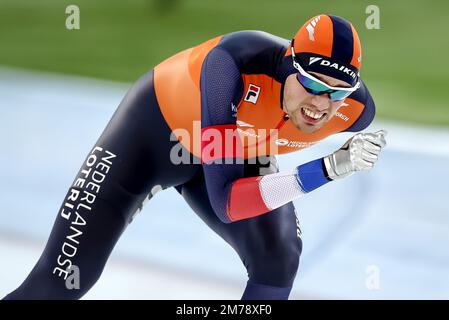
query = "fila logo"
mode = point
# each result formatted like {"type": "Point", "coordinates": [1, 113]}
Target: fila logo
{"type": "Point", "coordinates": [334, 65]}
{"type": "Point", "coordinates": [311, 28]}
{"type": "Point", "coordinates": [252, 94]}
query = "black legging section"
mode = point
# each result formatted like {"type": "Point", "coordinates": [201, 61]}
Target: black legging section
{"type": "Point", "coordinates": [139, 137]}
{"type": "Point", "coordinates": [268, 245]}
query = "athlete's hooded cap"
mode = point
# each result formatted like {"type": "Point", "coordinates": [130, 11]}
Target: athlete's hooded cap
{"type": "Point", "coordinates": [329, 45]}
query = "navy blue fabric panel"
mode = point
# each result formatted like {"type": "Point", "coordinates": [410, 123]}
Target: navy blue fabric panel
{"type": "Point", "coordinates": [219, 179]}
{"type": "Point", "coordinates": [269, 245]}
{"type": "Point", "coordinates": [221, 86]}
{"type": "Point", "coordinates": [255, 291]}
{"type": "Point", "coordinates": [362, 95]}
{"type": "Point", "coordinates": [140, 139]}
{"type": "Point", "coordinates": [258, 52]}
{"type": "Point", "coordinates": [343, 40]}
{"type": "Point", "coordinates": [221, 89]}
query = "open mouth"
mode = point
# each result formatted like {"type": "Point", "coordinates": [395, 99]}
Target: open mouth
{"type": "Point", "coordinates": [310, 116]}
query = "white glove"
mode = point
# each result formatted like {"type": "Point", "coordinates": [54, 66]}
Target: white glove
{"type": "Point", "coordinates": [358, 153]}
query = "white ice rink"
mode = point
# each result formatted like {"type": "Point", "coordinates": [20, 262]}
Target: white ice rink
{"type": "Point", "coordinates": [392, 222]}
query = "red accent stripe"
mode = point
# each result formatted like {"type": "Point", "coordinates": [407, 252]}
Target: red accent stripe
{"type": "Point", "coordinates": [278, 126]}
{"type": "Point", "coordinates": [219, 142]}
{"type": "Point", "coordinates": [245, 200]}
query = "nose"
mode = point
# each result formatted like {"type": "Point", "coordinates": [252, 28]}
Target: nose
{"type": "Point", "coordinates": [321, 102]}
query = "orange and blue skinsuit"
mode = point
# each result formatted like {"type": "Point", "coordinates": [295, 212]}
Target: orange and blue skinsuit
{"type": "Point", "coordinates": [232, 82]}
{"type": "Point", "coordinates": [236, 82]}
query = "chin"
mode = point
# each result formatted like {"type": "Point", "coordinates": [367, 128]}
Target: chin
{"type": "Point", "coordinates": [308, 128]}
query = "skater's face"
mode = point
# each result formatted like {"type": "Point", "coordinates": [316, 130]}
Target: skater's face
{"type": "Point", "coordinates": [309, 112]}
